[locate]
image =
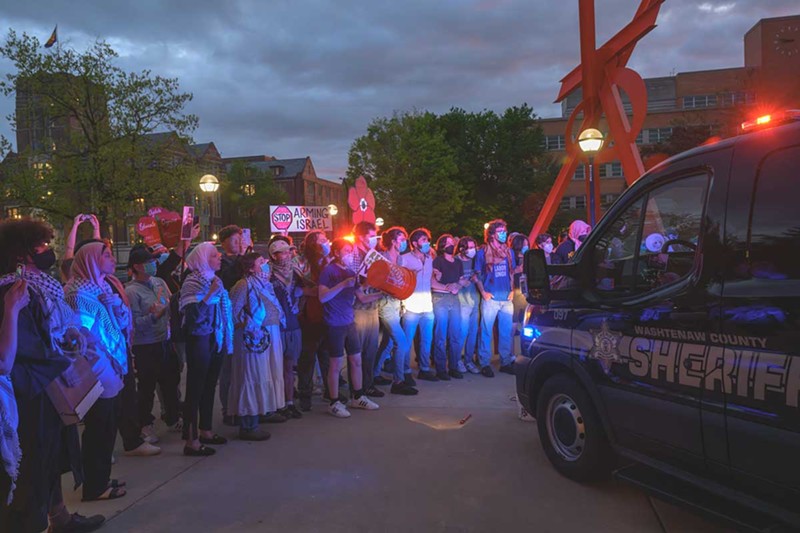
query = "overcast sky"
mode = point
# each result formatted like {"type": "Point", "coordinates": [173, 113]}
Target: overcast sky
{"type": "Point", "coordinates": [305, 77]}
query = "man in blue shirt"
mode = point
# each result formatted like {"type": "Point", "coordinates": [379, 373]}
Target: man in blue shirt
{"type": "Point", "coordinates": [494, 266]}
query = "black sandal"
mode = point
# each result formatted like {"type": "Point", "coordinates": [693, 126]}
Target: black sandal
{"type": "Point", "coordinates": [111, 493]}
{"type": "Point", "coordinates": [216, 440]}
{"type": "Point", "coordinates": [202, 451]}
{"type": "Point", "coordinates": [116, 484]}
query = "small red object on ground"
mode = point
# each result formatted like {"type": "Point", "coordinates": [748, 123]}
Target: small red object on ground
{"type": "Point", "coordinates": [464, 420]}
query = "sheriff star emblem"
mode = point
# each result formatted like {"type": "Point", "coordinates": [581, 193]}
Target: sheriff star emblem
{"type": "Point", "coordinates": [606, 346]}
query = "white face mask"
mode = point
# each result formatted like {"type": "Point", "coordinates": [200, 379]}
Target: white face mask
{"type": "Point", "coordinates": [547, 247]}
{"type": "Point", "coordinates": [471, 252]}
{"type": "Point", "coordinates": [347, 260]}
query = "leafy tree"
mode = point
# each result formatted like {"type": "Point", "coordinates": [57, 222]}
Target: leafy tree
{"type": "Point", "coordinates": [98, 157]}
{"type": "Point", "coordinates": [247, 192]}
{"type": "Point", "coordinates": [412, 170]}
{"type": "Point", "coordinates": [455, 171]}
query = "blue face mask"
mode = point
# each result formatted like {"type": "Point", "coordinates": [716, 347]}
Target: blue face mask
{"type": "Point", "coordinates": [403, 247]}
{"type": "Point", "coordinates": [162, 258]}
{"type": "Point", "coordinates": [150, 268]}
{"type": "Point", "coordinates": [326, 249]}
{"type": "Point", "coordinates": [425, 247]}
{"type": "Point", "coordinates": [502, 237]}
{"type": "Point", "coordinates": [524, 249]}
{"type": "Point", "coordinates": [373, 242]}
{"type": "Point", "coordinates": [265, 268]}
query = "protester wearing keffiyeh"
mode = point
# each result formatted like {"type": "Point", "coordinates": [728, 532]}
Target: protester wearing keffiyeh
{"type": "Point", "coordinates": [198, 284]}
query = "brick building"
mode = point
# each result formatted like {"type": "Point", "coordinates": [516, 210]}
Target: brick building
{"type": "Point", "coordinates": [712, 100]}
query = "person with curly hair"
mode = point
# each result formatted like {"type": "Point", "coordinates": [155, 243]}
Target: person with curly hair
{"type": "Point", "coordinates": [47, 333]}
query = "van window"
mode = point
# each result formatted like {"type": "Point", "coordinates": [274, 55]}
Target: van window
{"type": "Point", "coordinates": [774, 232]}
{"type": "Point", "coordinates": [653, 242]}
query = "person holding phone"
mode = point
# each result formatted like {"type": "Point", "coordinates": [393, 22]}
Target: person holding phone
{"type": "Point", "coordinates": [337, 292]}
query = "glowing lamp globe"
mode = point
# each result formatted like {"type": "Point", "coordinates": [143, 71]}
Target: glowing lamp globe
{"type": "Point", "coordinates": [590, 140]}
{"type": "Point", "coordinates": [333, 210]}
{"type": "Point", "coordinates": [209, 183]}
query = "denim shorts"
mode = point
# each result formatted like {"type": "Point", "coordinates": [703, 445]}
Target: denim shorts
{"type": "Point", "coordinates": [343, 339]}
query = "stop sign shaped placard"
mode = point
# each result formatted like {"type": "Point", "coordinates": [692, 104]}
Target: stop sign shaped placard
{"type": "Point", "coordinates": [282, 218]}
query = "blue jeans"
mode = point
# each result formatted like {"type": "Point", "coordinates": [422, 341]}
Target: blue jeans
{"type": "Point", "coordinates": [503, 311]}
{"type": "Point", "coordinates": [446, 331]}
{"type": "Point", "coordinates": [248, 422]}
{"type": "Point", "coordinates": [470, 315]}
{"type": "Point", "coordinates": [425, 322]}
{"type": "Point", "coordinates": [394, 338]}
{"type": "Point", "coordinates": [368, 328]}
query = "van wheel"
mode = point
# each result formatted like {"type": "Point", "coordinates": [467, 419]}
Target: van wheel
{"type": "Point", "coordinates": [570, 430]}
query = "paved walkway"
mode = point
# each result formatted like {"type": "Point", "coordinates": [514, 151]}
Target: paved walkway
{"type": "Point", "coordinates": [407, 467]}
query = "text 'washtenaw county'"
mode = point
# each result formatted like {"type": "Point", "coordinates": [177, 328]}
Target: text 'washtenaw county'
{"type": "Point", "coordinates": [701, 336]}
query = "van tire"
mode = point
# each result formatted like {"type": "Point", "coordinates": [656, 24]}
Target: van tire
{"type": "Point", "coordinates": [571, 432]}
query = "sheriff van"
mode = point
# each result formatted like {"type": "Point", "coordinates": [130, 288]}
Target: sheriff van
{"type": "Point", "coordinates": [668, 350]}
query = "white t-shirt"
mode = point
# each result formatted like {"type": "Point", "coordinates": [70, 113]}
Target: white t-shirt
{"type": "Point", "coordinates": [420, 301]}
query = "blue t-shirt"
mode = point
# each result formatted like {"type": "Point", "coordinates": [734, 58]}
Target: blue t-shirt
{"type": "Point", "coordinates": [338, 311]}
{"type": "Point", "coordinates": [497, 279]}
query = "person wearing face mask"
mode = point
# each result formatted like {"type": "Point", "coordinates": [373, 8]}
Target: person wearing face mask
{"type": "Point", "coordinates": [208, 326]}
{"type": "Point", "coordinates": [230, 238]}
{"type": "Point", "coordinates": [446, 283]}
{"type": "Point", "coordinates": [494, 265]}
{"type": "Point", "coordinates": [395, 244]}
{"type": "Point", "coordinates": [337, 292]}
{"type": "Point", "coordinates": [288, 287]}
{"type": "Point", "coordinates": [257, 386]}
{"type": "Point", "coordinates": [47, 331]}
{"type": "Point", "coordinates": [366, 307]}
{"type": "Point", "coordinates": [544, 242]}
{"type": "Point", "coordinates": [418, 308]}
{"type": "Point", "coordinates": [149, 297]}
{"type": "Point", "coordinates": [316, 251]}
{"type": "Point", "coordinates": [578, 231]}
{"type": "Point", "coordinates": [469, 301]}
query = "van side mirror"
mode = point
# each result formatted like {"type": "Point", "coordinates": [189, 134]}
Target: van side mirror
{"type": "Point", "coordinates": [535, 268]}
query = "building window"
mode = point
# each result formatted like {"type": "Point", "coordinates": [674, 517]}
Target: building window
{"type": "Point", "coordinates": [13, 212]}
{"type": "Point", "coordinates": [658, 135]}
{"type": "Point", "coordinates": [640, 138]}
{"type": "Point", "coordinates": [615, 170]}
{"type": "Point", "coordinates": [554, 143]}
{"type": "Point", "coordinates": [580, 172]}
{"type": "Point", "coordinates": [138, 205]}
{"type": "Point", "coordinates": [565, 203]}
{"type": "Point", "coordinates": [699, 102]}
{"type": "Point", "coordinates": [580, 202]}
{"type": "Point", "coordinates": [609, 199]}
{"type": "Point", "coordinates": [249, 189]}
{"type": "Point", "coordinates": [737, 98]}
{"type": "Point", "coordinates": [277, 171]}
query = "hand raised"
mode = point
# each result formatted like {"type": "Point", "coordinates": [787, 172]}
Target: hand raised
{"type": "Point", "coordinates": [17, 296]}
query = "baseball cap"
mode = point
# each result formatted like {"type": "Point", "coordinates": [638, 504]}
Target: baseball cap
{"type": "Point", "coordinates": [280, 246]}
{"type": "Point", "coordinates": [140, 254]}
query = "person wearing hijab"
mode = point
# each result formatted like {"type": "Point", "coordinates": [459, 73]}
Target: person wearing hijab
{"type": "Point", "coordinates": [578, 231]}
{"type": "Point", "coordinates": [208, 328]}
{"type": "Point", "coordinates": [257, 362]}
{"type": "Point", "coordinates": [47, 334]}
{"type": "Point", "coordinates": [106, 316]}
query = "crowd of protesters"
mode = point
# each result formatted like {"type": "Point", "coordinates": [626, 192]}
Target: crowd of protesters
{"type": "Point", "coordinates": [258, 329]}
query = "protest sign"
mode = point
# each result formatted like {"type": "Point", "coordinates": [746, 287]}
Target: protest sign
{"type": "Point", "coordinates": [299, 218]}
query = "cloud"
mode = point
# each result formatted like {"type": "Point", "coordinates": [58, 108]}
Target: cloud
{"type": "Point", "coordinates": [305, 77]}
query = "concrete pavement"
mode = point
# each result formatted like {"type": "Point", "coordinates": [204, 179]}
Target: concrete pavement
{"type": "Point", "coordinates": [408, 467]}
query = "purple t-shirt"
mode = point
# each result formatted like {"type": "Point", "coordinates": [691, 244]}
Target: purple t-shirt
{"type": "Point", "coordinates": [338, 311]}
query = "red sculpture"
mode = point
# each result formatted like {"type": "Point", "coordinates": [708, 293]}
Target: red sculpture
{"type": "Point", "coordinates": [361, 201]}
{"type": "Point", "coordinates": [601, 75]}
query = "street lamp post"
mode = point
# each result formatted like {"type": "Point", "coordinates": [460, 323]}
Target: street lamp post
{"type": "Point", "coordinates": [591, 141]}
{"type": "Point", "coordinates": [208, 184]}
{"type": "Point", "coordinates": [333, 211]}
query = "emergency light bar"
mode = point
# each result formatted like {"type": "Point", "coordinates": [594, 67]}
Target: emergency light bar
{"type": "Point", "coordinates": [769, 121]}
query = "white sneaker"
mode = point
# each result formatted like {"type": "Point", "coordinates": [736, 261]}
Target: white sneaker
{"type": "Point", "coordinates": [473, 368]}
{"type": "Point", "coordinates": [339, 410]}
{"type": "Point", "coordinates": [363, 403]}
{"type": "Point", "coordinates": [145, 450]}
{"type": "Point", "coordinates": [149, 434]}
{"type": "Point", "coordinates": [462, 367]}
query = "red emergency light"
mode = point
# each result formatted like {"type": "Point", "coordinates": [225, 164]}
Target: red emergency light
{"type": "Point", "coordinates": [771, 120]}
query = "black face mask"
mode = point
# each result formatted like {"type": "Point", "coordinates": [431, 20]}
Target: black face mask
{"type": "Point", "coordinates": [44, 260]}
{"type": "Point", "coordinates": [449, 250]}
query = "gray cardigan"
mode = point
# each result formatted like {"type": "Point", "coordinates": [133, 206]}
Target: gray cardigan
{"type": "Point", "coordinates": [146, 328]}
